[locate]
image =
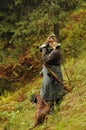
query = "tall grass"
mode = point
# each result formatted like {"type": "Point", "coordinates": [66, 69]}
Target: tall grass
{"type": "Point", "coordinates": [17, 113]}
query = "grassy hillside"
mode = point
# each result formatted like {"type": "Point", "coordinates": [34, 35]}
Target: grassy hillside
{"type": "Point", "coordinates": [17, 113]}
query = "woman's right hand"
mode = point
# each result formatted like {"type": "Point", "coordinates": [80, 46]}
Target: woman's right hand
{"type": "Point", "coordinates": [51, 38]}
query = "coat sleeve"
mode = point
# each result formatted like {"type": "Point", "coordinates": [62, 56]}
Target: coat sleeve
{"type": "Point", "coordinates": [51, 58]}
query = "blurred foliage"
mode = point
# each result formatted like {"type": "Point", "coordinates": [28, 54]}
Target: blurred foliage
{"type": "Point", "coordinates": [73, 35]}
{"type": "Point", "coordinates": [23, 22]}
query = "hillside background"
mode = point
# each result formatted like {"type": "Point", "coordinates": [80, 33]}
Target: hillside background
{"type": "Point", "coordinates": [24, 26]}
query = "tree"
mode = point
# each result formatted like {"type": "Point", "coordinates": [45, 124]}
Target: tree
{"type": "Point", "coordinates": [25, 21]}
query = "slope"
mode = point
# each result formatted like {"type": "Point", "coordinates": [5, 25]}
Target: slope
{"type": "Point", "coordinates": [17, 113]}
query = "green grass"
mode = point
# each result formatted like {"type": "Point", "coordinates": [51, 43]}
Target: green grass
{"type": "Point", "coordinates": [17, 113]}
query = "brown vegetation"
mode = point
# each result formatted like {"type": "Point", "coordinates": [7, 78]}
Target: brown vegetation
{"type": "Point", "coordinates": [23, 72]}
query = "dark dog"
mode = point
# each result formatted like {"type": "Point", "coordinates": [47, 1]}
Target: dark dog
{"type": "Point", "coordinates": [42, 110]}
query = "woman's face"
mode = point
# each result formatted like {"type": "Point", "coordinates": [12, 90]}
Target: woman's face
{"type": "Point", "coordinates": [52, 44]}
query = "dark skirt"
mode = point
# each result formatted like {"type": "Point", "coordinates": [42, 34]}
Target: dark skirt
{"type": "Point", "coordinates": [51, 89]}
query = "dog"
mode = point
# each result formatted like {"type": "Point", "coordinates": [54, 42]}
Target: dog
{"type": "Point", "coordinates": [42, 109]}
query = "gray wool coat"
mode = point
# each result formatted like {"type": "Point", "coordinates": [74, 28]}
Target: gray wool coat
{"type": "Point", "coordinates": [51, 89]}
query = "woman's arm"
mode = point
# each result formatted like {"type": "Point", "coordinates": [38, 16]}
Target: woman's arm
{"type": "Point", "coordinates": [52, 58]}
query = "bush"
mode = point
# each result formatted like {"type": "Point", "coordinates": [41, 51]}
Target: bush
{"type": "Point", "coordinates": [73, 35]}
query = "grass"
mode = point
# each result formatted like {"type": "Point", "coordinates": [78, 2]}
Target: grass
{"type": "Point", "coordinates": [17, 113]}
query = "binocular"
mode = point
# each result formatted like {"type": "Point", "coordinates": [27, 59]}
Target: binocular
{"type": "Point", "coordinates": [43, 46]}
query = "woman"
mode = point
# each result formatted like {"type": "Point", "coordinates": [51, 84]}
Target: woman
{"type": "Point", "coordinates": [51, 90]}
